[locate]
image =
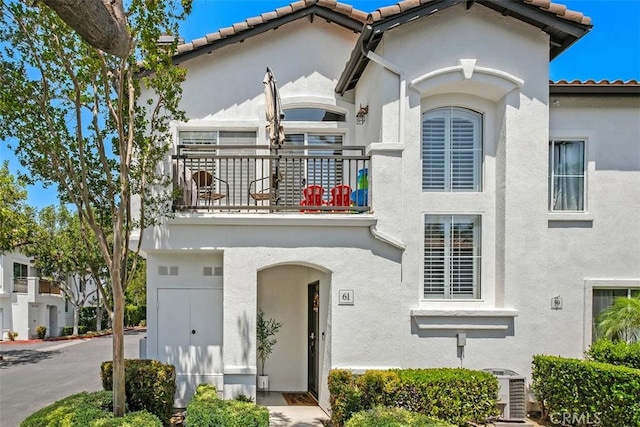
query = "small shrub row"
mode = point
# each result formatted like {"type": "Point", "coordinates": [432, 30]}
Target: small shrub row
{"type": "Point", "coordinates": [453, 395]}
{"type": "Point", "coordinates": [602, 392]}
{"type": "Point", "coordinates": [615, 352]}
{"type": "Point", "coordinates": [206, 409]}
{"type": "Point", "coordinates": [68, 330]}
{"type": "Point", "coordinates": [149, 385]}
{"type": "Point", "coordinates": [393, 417]}
{"type": "Point", "coordinates": [90, 410]}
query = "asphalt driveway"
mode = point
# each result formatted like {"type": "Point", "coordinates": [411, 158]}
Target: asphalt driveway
{"type": "Point", "coordinates": [35, 375]}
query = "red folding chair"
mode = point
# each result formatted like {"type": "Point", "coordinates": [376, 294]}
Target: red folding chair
{"type": "Point", "coordinates": [340, 195]}
{"type": "Point", "coordinates": [312, 197]}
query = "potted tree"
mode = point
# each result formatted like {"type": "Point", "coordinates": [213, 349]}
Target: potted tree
{"type": "Point", "coordinates": [265, 338]}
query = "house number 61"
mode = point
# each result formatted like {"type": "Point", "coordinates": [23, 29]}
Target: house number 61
{"type": "Point", "coordinates": [345, 297]}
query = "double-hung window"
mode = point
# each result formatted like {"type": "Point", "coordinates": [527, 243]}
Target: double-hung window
{"type": "Point", "coordinates": [451, 150]}
{"type": "Point", "coordinates": [452, 256]}
{"type": "Point", "coordinates": [20, 274]}
{"type": "Point", "coordinates": [566, 175]}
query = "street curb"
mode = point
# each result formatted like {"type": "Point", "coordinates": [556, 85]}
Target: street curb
{"type": "Point", "coordinates": [68, 337]}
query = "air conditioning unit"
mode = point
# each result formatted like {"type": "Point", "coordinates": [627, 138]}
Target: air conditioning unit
{"type": "Point", "coordinates": [512, 396]}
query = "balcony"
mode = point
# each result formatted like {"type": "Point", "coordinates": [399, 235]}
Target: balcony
{"type": "Point", "coordinates": [45, 287]}
{"type": "Point", "coordinates": [20, 285]}
{"type": "Point", "coordinates": [307, 179]}
{"type": "Point", "coordinates": [34, 287]}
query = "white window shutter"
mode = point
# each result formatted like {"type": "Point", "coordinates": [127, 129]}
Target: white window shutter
{"type": "Point", "coordinates": [433, 153]}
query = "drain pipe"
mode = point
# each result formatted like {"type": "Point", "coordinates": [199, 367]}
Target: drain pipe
{"type": "Point", "coordinates": [402, 89]}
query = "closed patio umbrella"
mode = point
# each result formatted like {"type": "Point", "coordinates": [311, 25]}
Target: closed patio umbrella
{"type": "Point", "coordinates": [274, 116]}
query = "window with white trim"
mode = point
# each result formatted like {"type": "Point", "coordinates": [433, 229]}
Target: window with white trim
{"type": "Point", "coordinates": [567, 175]}
{"type": "Point", "coordinates": [451, 150]}
{"type": "Point", "coordinates": [452, 256]}
{"type": "Point", "coordinates": [238, 172]}
{"type": "Point", "coordinates": [604, 298]}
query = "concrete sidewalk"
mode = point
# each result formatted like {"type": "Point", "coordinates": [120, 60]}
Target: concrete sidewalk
{"type": "Point", "coordinates": [283, 415]}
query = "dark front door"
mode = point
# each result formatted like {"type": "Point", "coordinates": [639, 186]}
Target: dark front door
{"type": "Point", "coordinates": [313, 307]}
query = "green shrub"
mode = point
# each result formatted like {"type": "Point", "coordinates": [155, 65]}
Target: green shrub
{"type": "Point", "coordinates": [207, 410]}
{"type": "Point", "coordinates": [453, 395]}
{"type": "Point", "coordinates": [88, 410]}
{"type": "Point", "coordinates": [88, 318]}
{"type": "Point", "coordinates": [134, 314]}
{"type": "Point", "coordinates": [344, 396]}
{"type": "Point", "coordinates": [132, 419]}
{"type": "Point", "coordinates": [41, 331]}
{"type": "Point", "coordinates": [149, 385]}
{"type": "Point", "coordinates": [393, 417]}
{"type": "Point", "coordinates": [243, 398]}
{"type": "Point", "coordinates": [596, 390]}
{"type": "Point", "coordinates": [68, 330]}
{"type": "Point", "coordinates": [615, 352]}
{"type": "Point", "coordinates": [77, 409]}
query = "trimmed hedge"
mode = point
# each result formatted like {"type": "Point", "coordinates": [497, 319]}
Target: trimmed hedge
{"type": "Point", "coordinates": [206, 409]}
{"type": "Point", "coordinates": [453, 395]}
{"type": "Point", "coordinates": [90, 410]}
{"type": "Point", "coordinates": [68, 330]}
{"type": "Point", "coordinates": [599, 391]}
{"type": "Point", "coordinates": [149, 385]}
{"type": "Point", "coordinates": [393, 417]}
{"type": "Point", "coordinates": [615, 352]}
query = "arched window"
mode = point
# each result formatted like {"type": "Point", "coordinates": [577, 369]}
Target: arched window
{"type": "Point", "coordinates": [451, 150]}
{"type": "Point", "coordinates": [312, 115]}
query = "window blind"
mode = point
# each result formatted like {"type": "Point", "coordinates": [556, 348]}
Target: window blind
{"type": "Point", "coordinates": [451, 150]}
{"type": "Point", "coordinates": [451, 256]}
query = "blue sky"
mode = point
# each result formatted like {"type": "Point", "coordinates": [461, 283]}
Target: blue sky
{"type": "Point", "coordinates": [610, 51]}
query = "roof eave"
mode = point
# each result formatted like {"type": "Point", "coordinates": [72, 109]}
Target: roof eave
{"type": "Point", "coordinates": [594, 89]}
{"type": "Point", "coordinates": [562, 33]}
{"type": "Point", "coordinates": [313, 10]}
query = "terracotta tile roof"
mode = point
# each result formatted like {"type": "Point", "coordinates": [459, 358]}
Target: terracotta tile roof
{"type": "Point", "coordinates": [595, 88]}
{"type": "Point", "coordinates": [250, 23]}
{"type": "Point", "coordinates": [559, 10]}
{"type": "Point", "coordinates": [596, 83]}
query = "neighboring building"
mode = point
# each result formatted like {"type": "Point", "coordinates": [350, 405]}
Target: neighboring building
{"type": "Point", "coordinates": [27, 301]}
{"type": "Point", "coordinates": [492, 208]}
{"type": "Point", "coordinates": [84, 291]}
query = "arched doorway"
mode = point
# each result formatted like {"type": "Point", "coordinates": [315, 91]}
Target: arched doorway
{"type": "Point", "coordinates": [297, 295]}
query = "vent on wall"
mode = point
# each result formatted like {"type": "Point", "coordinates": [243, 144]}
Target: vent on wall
{"type": "Point", "coordinates": [212, 271]}
{"type": "Point", "coordinates": [163, 270]}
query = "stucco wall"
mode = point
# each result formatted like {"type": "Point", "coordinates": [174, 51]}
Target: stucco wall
{"type": "Point", "coordinates": [528, 255]}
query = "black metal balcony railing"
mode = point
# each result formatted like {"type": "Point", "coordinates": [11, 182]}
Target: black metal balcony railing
{"type": "Point", "coordinates": [20, 285]}
{"type": "Point", "coordinates": [326, 178]}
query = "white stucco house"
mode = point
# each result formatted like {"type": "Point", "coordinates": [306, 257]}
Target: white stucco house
{"type": "Point", "coordinates": [489, 213]}
{"type": "Point", "coordinates": [26, 300]}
